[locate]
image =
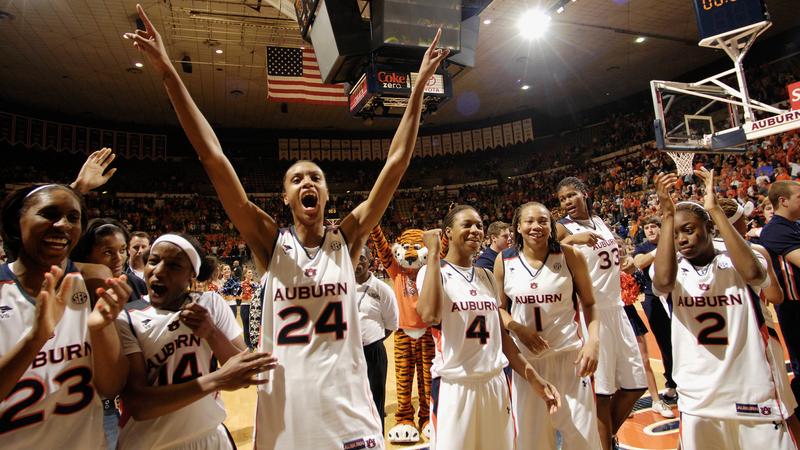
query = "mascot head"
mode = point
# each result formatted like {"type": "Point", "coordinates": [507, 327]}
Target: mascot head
{"type": "Point", "coordinates": [409, 251]}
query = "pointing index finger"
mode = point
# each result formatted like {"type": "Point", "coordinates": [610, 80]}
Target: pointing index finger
{"type": "Point", "coordinates": [146, 20]}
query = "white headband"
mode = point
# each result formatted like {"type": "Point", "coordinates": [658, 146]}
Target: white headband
{"type": "Point", "coordinates": [737, 215]}
{"type": "Point", "coordinates": [184, 245]}
{"type": "Point", "coordinates": [41, 188]}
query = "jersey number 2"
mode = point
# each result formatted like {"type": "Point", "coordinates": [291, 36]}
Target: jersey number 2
{"type": "Point", "coordinates": [718, 324]}
{"type": "Point", "coordinates": [289, 335]}
{"type": "Point", "coordinates": [477, 329]}
{"type": "Point", "coordinates": [11, 418]}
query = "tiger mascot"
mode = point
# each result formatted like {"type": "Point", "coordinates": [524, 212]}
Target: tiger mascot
{"type": "Point", "coordinates": [413, 343]}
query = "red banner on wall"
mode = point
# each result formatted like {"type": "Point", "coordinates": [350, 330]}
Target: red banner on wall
{"type": "Point", "coordinates": [794, 95]}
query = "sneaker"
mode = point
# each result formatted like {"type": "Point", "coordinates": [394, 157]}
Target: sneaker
{"type": "Point", "coordinates": [670, 395]}
{"type": "Point", "coordinates": [661, 408]}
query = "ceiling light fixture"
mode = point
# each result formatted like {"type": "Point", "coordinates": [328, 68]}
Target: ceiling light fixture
{"type": "Point", "coordinates": [139, 65]}
{"type": "Point", "coordinates": [533, 24]}
{"type": "Point", "coordinates": [560, 9]}
{"type": "Point", "coordinates": [640, 39]}
{"type": "Point", "coordinates": [487, 21]}
{"type": "Point", "coordinates": [525, 87]}
{"type": "Point", "coordinates": [218, 51]}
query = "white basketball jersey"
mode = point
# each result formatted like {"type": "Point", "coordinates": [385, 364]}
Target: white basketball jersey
{"type": "Point", "coordinates": [602, 259]}
{"type": "Point", "coordinates": [172, 355]}
{"type": "Point", "coordinates": [54, 402]}
{"type": "Point", "coordinates": [719, 245]}
{"type": "Point", "coordinates": [719, 344]}
{"type": "Point", "coordinates": [468, 339]}
{"type": "Point", "coordinates": [543, 299]}
{"type": "Point", "coordinates": [318, 397]}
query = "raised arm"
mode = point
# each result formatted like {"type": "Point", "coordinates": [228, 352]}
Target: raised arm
{"type": "Point", "coordinates": [366, 215]}
{"type": "Point", "coordinates": [93, 172]}
{"type": "Point", "coordinates": [772, 293]}
{"type": "Point", "coordinates": [742, 256]}
{"type": "Point", "coordinates": [666, 262]}
{"type": "Point", "coordinates": [384, 250]}
{"type": "Point", "coordinates": [429, 305]}
{"type": "Point", "coordinates": [257, 227]}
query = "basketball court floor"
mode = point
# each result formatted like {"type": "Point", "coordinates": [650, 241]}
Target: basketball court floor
{"type": "Point", "coordinates": [646, 430]}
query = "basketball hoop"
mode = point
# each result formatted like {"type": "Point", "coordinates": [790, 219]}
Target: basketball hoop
{"type": "Point", "coordinates": [684, 162]}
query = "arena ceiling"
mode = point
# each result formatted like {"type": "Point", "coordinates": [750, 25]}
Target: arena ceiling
{"type": "Point", "coordinates": [68, 56]}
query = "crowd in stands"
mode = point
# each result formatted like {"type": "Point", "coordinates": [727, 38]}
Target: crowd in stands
{"type": "Point", "coordinates": [621, 186]}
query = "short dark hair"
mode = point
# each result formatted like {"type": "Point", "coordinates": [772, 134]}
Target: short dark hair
{"type": "Point", "coordinates": [140, 234]}
{"type": "Point", "coordinates": [447, 222]}
{"type": "Point", "coordinates": [695, 209]}
{"type": "Point", "coordinates": [17, 202]}
{"type": "Point", "coordinates": [574, 182]}
{"type": "Point", "coordinates": [96, 229]}
{"type": "Point", "coordinates": [652, 220]}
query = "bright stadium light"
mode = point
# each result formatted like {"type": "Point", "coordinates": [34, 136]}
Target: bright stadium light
{"type": "Point", "coordinates": [533, 24]}
{"type": "Point", "coordinates": [640, 39]}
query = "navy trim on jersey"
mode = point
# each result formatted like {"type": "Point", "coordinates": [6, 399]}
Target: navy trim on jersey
{"type": "Point", "coordinates": [324, 236]}
{"type": "Point", "coordinates": [755, 300]}
{"type": "Point", "coordinates": [6, 274]}
{"type": "Point", "coordinates": [528, 268]}
{"type": "Point", "coordinates": [344, 236]}
{"type": "Point", "coordinates": [137, 305]}
{"type": "Point", "coordinates": [471, 276]}
{"type": "Point", "coordinates": [274, 245]}
{"type": "Point", "coordinates": [130, 323]}
{"type": "Point", "coordinates": [564, 221]}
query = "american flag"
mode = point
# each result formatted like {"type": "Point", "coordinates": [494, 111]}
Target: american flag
{"type": "Point", "coordinates": [293, 76]}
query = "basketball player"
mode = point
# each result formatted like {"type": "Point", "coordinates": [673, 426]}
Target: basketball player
{"type": "Point", "coordinates": [727, 397]}
{"type": "Point", "coordinates": [171, 338]}
{"type": "Point", "coordinates": [58, 354]}
{"type": "Point", "coordinates": [541, 277]}
{"type": "Point", "coordinates": [318, 397]}
{"type": "Point", "coordinates": [470, 404]}
{"type": "Point", "coordinates": [620, 379]}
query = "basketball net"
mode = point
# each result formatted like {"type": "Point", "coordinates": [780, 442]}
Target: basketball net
{"type": "Point", "coordinates": [684, 162]}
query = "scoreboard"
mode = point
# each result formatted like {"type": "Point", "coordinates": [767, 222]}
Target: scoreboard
{"type": "Point", "coordinates": [715, 17]}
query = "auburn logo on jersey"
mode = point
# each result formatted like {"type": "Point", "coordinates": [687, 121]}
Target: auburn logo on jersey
{"type": "Point", "coordinates": [173, 326]}
{"type": "Point", "coordinates": [473, 292]}
{"type": "Point", "coordinates": [704, 286]}
{"type": "Point", "coordinates": [534, 285]}
{"type": "Point", "coordinates": [310, 272]}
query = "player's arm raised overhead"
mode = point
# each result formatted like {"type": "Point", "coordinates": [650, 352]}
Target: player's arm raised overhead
{"type": "Point", "coordinates": [360, 221]}
{"type": "Point", "coordinates": [666, 263]}
{"type": "Point", "coordinates": [742, 256]}
{"type": "Point", "coordinates": [257, 227]}
{"type": "Point", "coordinates": [429, 306]}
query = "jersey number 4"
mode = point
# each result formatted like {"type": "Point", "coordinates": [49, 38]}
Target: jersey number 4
{"type": "Point", "coordinates": [477, 329]}
{"type": "Point", "coordinates": [13, 418]}
{"type": "Point", "coordinates": [717, 323]}
{"type": "Point", "coordinates": [331, 320]}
